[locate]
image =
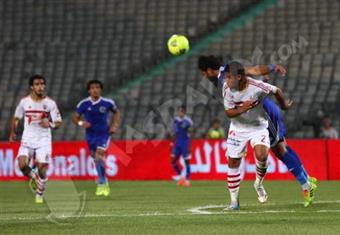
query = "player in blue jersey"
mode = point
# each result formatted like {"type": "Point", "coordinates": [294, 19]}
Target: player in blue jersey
{"type": "Point", "coordinates": [95, 111]}
{"type": "Point", "coordinates": [182, 129]}
{"type": "Point", "coordinates": [215, 71]}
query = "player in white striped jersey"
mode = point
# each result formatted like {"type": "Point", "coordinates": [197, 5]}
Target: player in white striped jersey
{"type": "Point", "coordinates": [40, 115]}
{"type": "Point", "coordinates": [243, 97]}
{"type": "Point", "coordinates": [215, 71]}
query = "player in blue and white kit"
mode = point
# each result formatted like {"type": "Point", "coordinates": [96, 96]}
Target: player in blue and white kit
{"type": "Point", "coordinates": [213, 69]}
{"type": "Point", "coordinates": [95, 111]}
{"type": "Point", "coordinates": [182, 128]}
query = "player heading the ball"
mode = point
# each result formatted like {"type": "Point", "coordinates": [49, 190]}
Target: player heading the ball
{"type": "Point", "coordinates": [243, 97]}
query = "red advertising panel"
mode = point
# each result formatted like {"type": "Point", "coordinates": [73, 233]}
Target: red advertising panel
{"type": "Point", "coordinates": [209, 161]}
{"type": "Point", "coordinates": [334, 159]}
{"type": "Point", "coordinates": [313, 154]}
{"type": "Point", "coordinates": [150, 160]}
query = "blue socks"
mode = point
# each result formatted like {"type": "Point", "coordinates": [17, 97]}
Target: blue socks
{"type": "Point", "coordinates": [100, 166]}
{"type": "Point", "coordinates": [297, 160]}
{"type": "Point", "coordinates": [187, 170]}
{"type": "Point", "coordinates": [176, 168]}
{"type": "Point", "coordinates": [179, 172]}
{"type": "Point", "coordinates": [294, 165]}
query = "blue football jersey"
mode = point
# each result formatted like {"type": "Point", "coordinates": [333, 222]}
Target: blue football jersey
{"type": "Point", "coordinates": [97, 114]}
{"type": "Point", "coordinates": [181, 129]}
{"type": "Point", "coordinates": [221, 75]}
{"type": "Point", "coordinates": [277, 131]}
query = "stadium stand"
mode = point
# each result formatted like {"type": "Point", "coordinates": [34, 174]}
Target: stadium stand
{"type": "Point", "coordinates": [73, 41]}
{"type": "Point", "coordinates": [306, 43]}
{"type": "Point", "coordinates": [122, 39]}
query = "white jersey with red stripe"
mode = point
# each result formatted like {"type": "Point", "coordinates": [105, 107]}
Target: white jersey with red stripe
{"type": "Point", "coordinates": [35, 136]}
{"type": "Point", "coordinates": [254, 118]}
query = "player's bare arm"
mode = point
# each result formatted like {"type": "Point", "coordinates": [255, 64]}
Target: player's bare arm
{"type": "Point", "coordinates": [283, 102]}
{"type": "Point", "coordinates": [264, 69]}
{"type": "Point", "coordinates": [13, 128]}
{"type": "Point", "coordinates": [115, 122]}
{"type": "Point", "coordinates": [171, 136]}
{"type": "Point", "coordinates": [191, 132]}
{"type": "Point", "coordinates": [45, 123]}
{"type": "Point", "coordinates": [237, 111]}
{"type": "Point", "coordinates": [76, 119]}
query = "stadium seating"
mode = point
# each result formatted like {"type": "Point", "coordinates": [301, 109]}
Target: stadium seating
{"type": "Point", "coordinates": [308, 45]}
{"type": "Point", "coordinates": [73, 41]}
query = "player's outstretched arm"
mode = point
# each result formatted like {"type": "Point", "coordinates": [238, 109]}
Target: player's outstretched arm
{"type": "Point", "coordinates": [13, 127]}
{"type": "Point", "coordinates": [115, 122]}
{"type": "Point", "coordinates": [283, 102]}
{"type": "Point", "coordinates": [260, 70]}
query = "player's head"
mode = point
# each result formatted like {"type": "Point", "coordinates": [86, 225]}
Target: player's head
{"type": "Point", "coordinates": [95, 87]}
{"type": "Point", "coordinates": [216, 123]}
{"type": "Point", "coordinates": [37, 84]}
{"type": "Point", "coordinates": [209, 66]}
{"type": "Point", "coordinates": [181, 110]}
{"type": "Point", "coordinates": [327, 122]}
{"type": "Point", "coordinates": [235, 74]}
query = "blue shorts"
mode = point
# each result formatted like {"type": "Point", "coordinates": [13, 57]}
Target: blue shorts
{"type": "Point", "coordinates": [101, 142]}
{"type": "Point", "coordinates": [277, 131]}
{"type": "Point", "coordinates": [181, 150]}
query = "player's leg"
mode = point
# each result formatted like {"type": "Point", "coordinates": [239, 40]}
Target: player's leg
{"type": "Point", "coordinates": [100, 165]}
{"type": "Point", "coordinates": [289, 157]}
{"type": "Point", "coordinates": [43, 158]}
{"type": "Point", "coordinates": [261, 143]}
{"type": "Point", "coordinates": [99, 159]}
{"type": "Point", "coordinates": [295, 156]}
{"type": "Point", "coordinates": [296, 159]}
{"type": "Point", "coordinates": [261, 154]}
{"type": "Point", "coordinates": [103, 187]}
{"type": "Point", "coordinates": [281, 152]}
{"type": "Point", "coordinates": [234, 180]}
{"type": "Point", "coordinates": [284, 152]}
{"type": "Point", "coordinates": [41, 181]}
{"type": "Point", "coordinates": [174, 159]}
{"type": "Point", "coordinates": [236, 149]}
{"type": "Point", "coordinates": [187, 171]}
{"type": "Point", "coordinates": [24, 155]}
{"type": "Point", "coordinates": [187, 156]}
{"type": "Point", "coordinates": [294, 165]}
{"type": "Point", "coordinates": [93, 143]}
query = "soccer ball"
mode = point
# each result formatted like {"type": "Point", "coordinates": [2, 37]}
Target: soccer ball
{"type": "Point", "coordinates": [178, 44]}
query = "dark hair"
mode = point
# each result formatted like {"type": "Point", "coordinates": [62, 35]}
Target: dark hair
{"type": "Point", "coordinates": [94, 81]}
{"type": "Point", "coordinates": [236, 68]}
{"type": "Point", "coordinates": [216, 120]}
{"type": "Point", "coordinates": [209, 62]}
{"type": "Point", "coordinates": [36, 77]}
{"type": "Point", "coordinates": [183, 107]}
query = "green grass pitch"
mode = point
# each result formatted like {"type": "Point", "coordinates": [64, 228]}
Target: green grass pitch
{"type": "Point", "coordinates": [160, 207]}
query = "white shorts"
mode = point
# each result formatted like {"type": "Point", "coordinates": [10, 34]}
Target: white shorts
{"type": "Point", "coordinates": [238, 140]}
{"type": "Point", "coordinates": [42, 154]}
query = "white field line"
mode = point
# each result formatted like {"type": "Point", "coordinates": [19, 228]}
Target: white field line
{"type": "Point", "coordinates": [202, 210]}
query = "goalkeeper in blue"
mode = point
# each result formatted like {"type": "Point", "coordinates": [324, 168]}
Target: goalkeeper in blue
{"type": "Point", "coordinates": [95, 110]}
{"type": "Point", "coordinates": [216, 72]}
